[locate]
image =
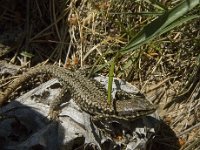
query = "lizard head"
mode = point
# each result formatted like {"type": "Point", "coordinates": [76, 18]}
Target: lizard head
{"type": "Point", "coordinates": [134, 106]}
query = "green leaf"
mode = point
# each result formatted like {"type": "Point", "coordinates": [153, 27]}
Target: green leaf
{"type": "Point", "coordinates": [160, 24]}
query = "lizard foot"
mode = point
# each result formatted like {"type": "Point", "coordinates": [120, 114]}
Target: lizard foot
{"type": "Point", "coordinates": [53, 114]}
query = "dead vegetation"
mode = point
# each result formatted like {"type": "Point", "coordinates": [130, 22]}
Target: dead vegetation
{"type": "Point", "coordinates": [166, 69]}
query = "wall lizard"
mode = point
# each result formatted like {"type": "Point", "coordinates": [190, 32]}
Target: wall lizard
{"type": "Point", "coordinates": [89, 95]}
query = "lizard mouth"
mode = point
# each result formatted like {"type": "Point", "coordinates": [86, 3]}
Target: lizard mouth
{"type": "Point", "coordinates": [134, 113]}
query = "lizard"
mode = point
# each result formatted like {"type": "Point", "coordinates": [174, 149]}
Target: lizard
{"type": "Point", "coordinates": [89, 95]}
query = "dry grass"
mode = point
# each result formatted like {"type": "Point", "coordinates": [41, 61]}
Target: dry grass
{"type": "Point", "coordinates": [166, 69]}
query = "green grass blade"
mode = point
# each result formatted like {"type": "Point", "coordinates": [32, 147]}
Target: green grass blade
{"type": "Point", "coordinates": [110, 81]}
{"type": "Point", "coordinates": [154, 29]}
{"type": "Point", "coordinates": [111, 76]}
{"type": "Point", "coordinates": [179, 22]}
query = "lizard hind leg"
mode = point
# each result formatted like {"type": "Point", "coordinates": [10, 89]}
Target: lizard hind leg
{"type": "Point", "coordinates": [63, 96]}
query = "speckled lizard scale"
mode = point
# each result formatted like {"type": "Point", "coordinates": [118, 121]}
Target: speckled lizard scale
{"type": "Point", "coordinates": [82, 89]}
{"type": "Point", "coordinates": [89, 96]}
